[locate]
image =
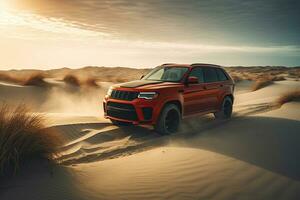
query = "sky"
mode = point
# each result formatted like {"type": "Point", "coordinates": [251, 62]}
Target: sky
{"type": "Point", "coordinates": [47, 34]}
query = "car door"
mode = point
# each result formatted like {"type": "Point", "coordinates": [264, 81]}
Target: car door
{"type": "Point", "coordinates": [212, 88]}
{"type": "Point", "coordinates": [195, 94]}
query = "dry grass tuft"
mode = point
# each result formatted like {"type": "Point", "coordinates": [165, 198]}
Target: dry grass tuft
{"type": "Point", "coordinates": [121, 80]}
{"type": "Point", "coordinates": [265, 80]}
{"type": "Point", "coordinates": [91, 82]}
{"type": "Point", "coordinates": [71, 80]}
{"type": "Point", "coordinates": [278, 78]}
{"type": "Point", "coordinates": [23, 137]}
{"type": "Point", "coordinates": [76, 81]}
{"type": "Point", "coordinates": [236, 78]}
{"type": "Point", "coordinates": [35, 80]}
{"type": "Point", "coordinates": [9, 78]}
{"type": "Point", "coordinates": [288, 97]}
{"type": "Point", "coordinates": [261, 83]}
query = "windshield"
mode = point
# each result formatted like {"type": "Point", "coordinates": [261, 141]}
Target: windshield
{"type": "Point", "coordinates": [172, 74]}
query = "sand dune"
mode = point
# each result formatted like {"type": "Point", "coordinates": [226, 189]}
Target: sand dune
{"type": "Point", "coordinates": [184, 173]}
{"type": "Point", "coordinates": [255, 155]}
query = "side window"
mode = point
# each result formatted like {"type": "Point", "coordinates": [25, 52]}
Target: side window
{"type": "Point", "coordinates": [221, 75]}
{"type": "Point", "coordinates": [210, 75]}
{"type": "Point", "coordinates": [198, 72]}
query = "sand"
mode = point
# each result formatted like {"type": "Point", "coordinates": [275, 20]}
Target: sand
{"type": "Point", "coordinates": [255, 155]}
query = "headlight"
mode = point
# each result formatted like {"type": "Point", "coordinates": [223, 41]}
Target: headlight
{"type": "Point", "coordinates": [109, 91]}
{"type": "Point", "coordinates": [147, 95]}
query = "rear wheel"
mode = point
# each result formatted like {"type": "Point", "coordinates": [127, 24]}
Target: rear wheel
{"type": "Point", "coordinates": [120, 123]}
{"type": "Point", "coordinates": [226, 109]}
{"type": "Point", "coordinates": [169, 120]}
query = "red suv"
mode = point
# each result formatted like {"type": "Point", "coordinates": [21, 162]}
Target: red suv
{"type": "Point", "coordinates": [169, 93]}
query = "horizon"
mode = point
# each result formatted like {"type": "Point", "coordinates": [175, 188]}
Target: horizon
{"type": "Point", "coordinates": [142, 67]}
{"type": "Point", "coordinates": [47, 34]}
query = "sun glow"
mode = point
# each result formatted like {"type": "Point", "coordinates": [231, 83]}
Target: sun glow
{"type": "Point", "coordinates": [4, 5]}
{"type": "Point", "coordinates": [23, 24]}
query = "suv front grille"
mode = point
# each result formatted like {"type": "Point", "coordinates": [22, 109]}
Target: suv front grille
{"type": "Point", "coordinates": [124, 95]}
{"type": "Point", "coordinates": [121, 111]}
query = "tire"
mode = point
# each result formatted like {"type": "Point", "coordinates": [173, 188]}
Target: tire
{"type": "Point", "coordinates": [226, 109]}
{"type": "Point", "coordinates": [120, 123]}
{"type": "Point", "coordinates": [169, 120]}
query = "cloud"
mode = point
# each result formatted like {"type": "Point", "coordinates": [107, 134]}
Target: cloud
{"type": "Point", "coordinates": [46, 24]}
{"type": "Point", "coordinates": [199, 48]}
{"type": "Point", "coordinates": [151, 31]}
{"type": "Point", "coordinates": [249, 22]}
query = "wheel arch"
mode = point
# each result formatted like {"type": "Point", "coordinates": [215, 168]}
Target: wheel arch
{"type": "Point", "coordinates": [175, 102]}
{"type": "Point", "coordinates": [160, 126]}
{"type": "Point", "coordinates": [222, 99]}
{"type": "Point", "coordinates": [230, 96]}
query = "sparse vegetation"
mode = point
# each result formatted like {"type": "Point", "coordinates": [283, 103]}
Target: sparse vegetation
{"type": "Point", "coordinates": [76, 81]}
{"type": "Point", "coordinates": [77, 77]}
{"type": "Point", "coordinates": [23, 136]}
{"type": "Point", "coordinates": [92, 82]}
{"type": "Point", "coordinates": [35, 80]}
{"type": "Point", "coordinates": [261, 83]}
{"type": "Point", "coordinates": [265, 80]}
{"type": "Point", "coordinates": [9, 78]}
{"type": "Point", "coordinates": [288, 97]}
{"type": "Point", "coordinates": [236, 78]}
{"type": "Point", "coordinates": [278, 78]}
{"type": "Point", "coordinates": [121, 80]}
{"type": "Point", "coordinates": [71, 80]}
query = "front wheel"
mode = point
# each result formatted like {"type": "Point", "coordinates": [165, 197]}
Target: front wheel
{"type": "Point", "coordinates": [169, 120]}
{"type": "Point", "coordinates": [226, 109]}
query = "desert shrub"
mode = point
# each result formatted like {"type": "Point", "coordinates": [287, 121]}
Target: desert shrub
{"type": "Point", "coordinates": [71, 80]}
{"type": "Point", "coordinates": [236, 78]}
{"type": "Point", "coordinates": [91, 82]}
{"type": "Point", "coordinates": [23, 136]}
{"type": "Point", "coordinates": [261, 83]}
{"type": "Point", "coordinates": [32, 79]}
{"type": "Point", "coordinates": [278, 78]}
{"type": "Point", "coordinates": [295, 73]}
{"type": "Point", "coordinates": [35, 80]}
{"type": "Point", "coordinates": [10, 78]}
{"type": "Point", "coordinates": [121, 80]}
{"type": "Point", "coordinates": [265, 80]}
{"type": "Point", "coordinates": [288, 97]}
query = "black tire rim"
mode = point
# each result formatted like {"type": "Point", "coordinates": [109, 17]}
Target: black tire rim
{"type": "Point", "coordinates": [172, 121]}
{"type": "Point", "coordinates": [227, 108]}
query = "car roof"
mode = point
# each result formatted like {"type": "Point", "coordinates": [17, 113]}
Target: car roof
{"type": "Point", "coordinates": [191, 65]}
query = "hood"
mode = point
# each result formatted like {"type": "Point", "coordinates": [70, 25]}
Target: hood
{"type": "Point", "coordinates": [147, 84]}
{"type": "Point", "coordinates": [138, 83]}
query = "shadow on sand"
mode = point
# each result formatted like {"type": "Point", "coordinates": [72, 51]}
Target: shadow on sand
{"type": "Point", "coordinates": [270, 143]}
{"type": "Point", "coordinates": [39, 179]}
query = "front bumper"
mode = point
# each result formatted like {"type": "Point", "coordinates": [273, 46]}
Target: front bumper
{"type": "Point", "coordinates": [137, 111]}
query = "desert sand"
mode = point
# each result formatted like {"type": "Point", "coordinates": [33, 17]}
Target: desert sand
{"type": "Point", "coordinates": [255, 155]}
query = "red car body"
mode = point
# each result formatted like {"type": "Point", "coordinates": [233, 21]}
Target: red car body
{"type": "Point", "coordinates": [191, 98]}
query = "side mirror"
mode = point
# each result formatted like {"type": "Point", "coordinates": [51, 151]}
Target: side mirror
{"type": "Point", "coordinates": [192, 80]}
{"type": "Point", "coordinates": [142, 76]}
